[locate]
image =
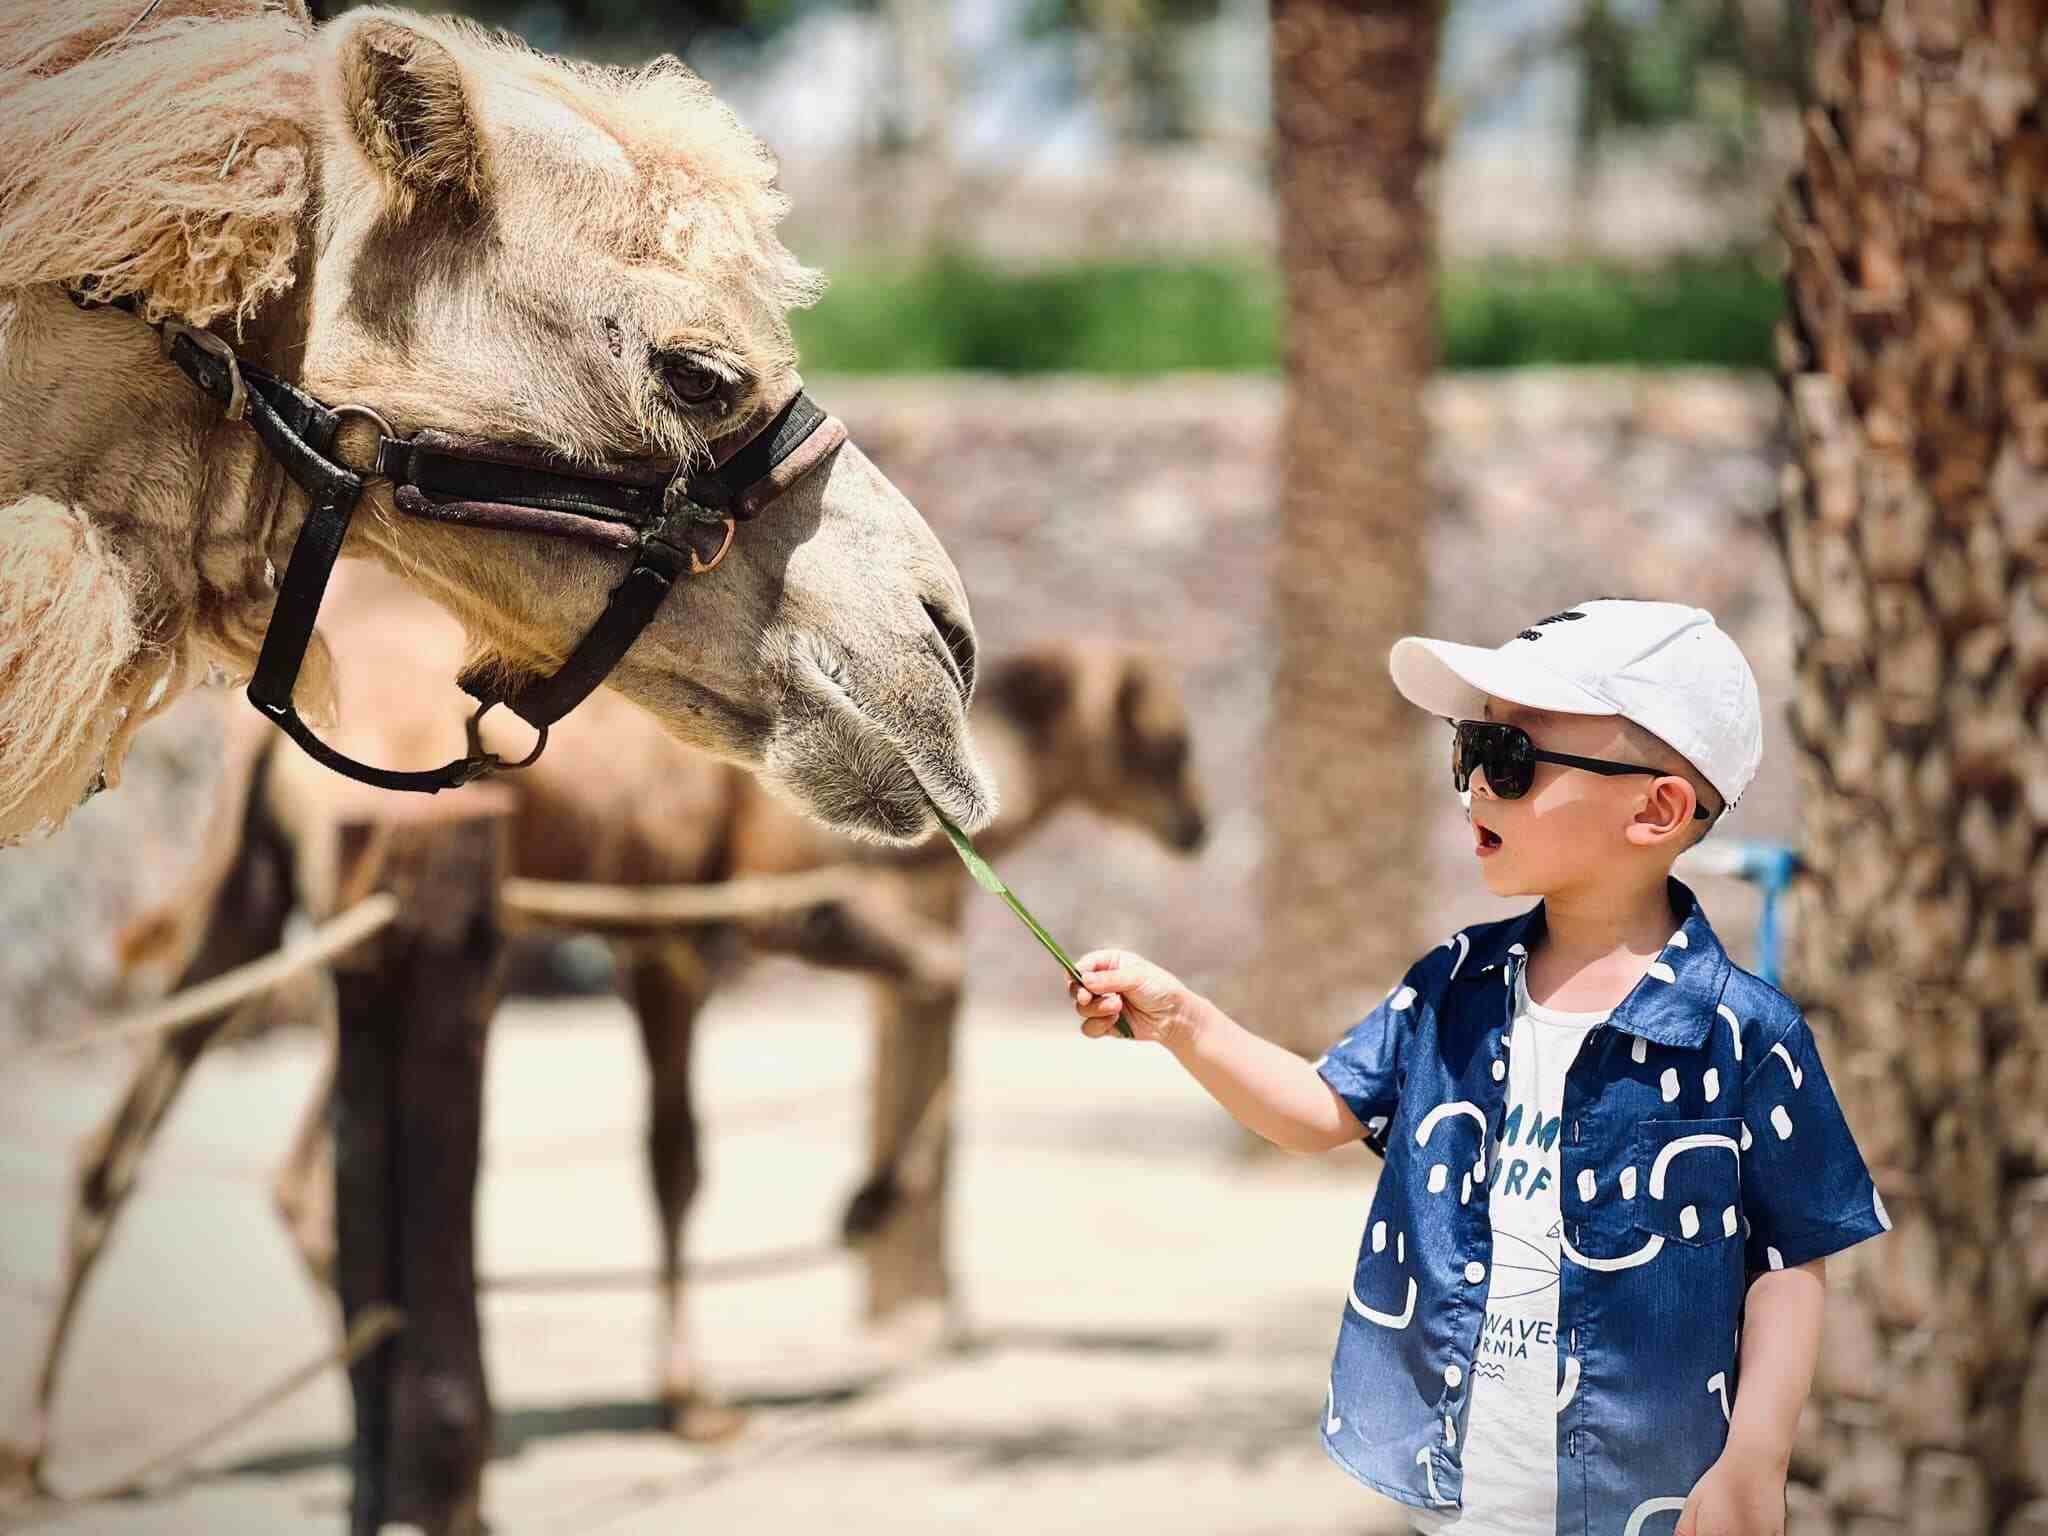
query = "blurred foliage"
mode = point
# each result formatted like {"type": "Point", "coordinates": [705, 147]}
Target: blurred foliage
{"type": "Point", "coordinates": [1139, 74]}
{"type": "Point", "coordinates": [1714, 65]}
{"type": "Point", "coordinates": [1112, 318]}
{"type": "Point", "coordinates": [1137, 319]}
{"type": "Point", "coordinates": [1708, 313]}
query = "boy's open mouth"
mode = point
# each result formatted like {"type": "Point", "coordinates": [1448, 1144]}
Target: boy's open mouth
{"type": "Point", "coordinates": [1488, 838]}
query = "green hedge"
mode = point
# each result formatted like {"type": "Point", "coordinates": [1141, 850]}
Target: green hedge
{"type": "Point", "coordinates": [1129, 319]}
{"type": "Point", "coordinates": [1714, 314]}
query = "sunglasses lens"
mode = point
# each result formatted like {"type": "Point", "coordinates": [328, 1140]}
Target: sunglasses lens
{"type": "Point", "coordinates": [1511, 764]}
{"type": "Point", "coordinates": [1503, 751]}
{"type": "Point", "coordinates": [1468, 751]}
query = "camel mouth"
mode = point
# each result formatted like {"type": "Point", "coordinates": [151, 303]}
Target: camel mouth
{"type": "Point", "coordinates": [873, 773]}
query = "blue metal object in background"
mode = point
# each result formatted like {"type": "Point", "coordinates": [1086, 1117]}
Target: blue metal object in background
{"type": "Point", "coordinates": [1769, 866]}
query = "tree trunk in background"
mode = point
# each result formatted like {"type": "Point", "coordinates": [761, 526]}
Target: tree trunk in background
{"type": "Point", "coordinates": [1353, 159]}
{"type": "Point", "coordinates": [1914, 524]}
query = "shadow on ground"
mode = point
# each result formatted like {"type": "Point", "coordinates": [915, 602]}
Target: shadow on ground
{"type": "Point", "coordinates": [518, 1429]}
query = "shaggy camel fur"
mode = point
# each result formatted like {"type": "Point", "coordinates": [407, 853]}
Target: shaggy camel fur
{"type": "Point", "coordinates": [434, 221]}
{"type": "Point", "coordinates": [1101, 729]}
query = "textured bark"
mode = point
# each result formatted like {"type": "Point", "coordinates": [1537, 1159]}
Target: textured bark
{"type": "Point", "coordinates": [1352, 164]}
{"type": "Point", "coordinates": [1914, 524]}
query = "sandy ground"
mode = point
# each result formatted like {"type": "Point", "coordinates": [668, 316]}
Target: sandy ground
{"type": "Point", "coordinates": [1150, 1310]}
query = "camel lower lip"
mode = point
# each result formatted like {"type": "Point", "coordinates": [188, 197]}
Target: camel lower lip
{"type": "Point", "coordinates": [891, 796]}
{"type": "Point", "coordinates": [861, 781]}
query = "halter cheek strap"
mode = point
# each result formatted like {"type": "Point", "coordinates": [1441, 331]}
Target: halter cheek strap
{"type": "Point", "coordinates": [675, 524]}
{"type": "Point", "coordinates": [299, 432]}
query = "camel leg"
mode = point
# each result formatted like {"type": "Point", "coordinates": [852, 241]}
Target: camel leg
{"type": "Point", "coordinates": [303, 1195]}
{"type": "Point", "coordinates": [108, 1167]}
{"type": "Point", "coordinates": [666, 983]}
{"type": "Point", "coordinates": [407, 1139]}
{"type": "Point", "coordinates": [897, 1216]}
{"type": "Point", "coordinates": [245, 904]}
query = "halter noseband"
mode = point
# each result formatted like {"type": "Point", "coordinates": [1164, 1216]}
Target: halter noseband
{"type": "Point", "coordinates": [674, 523]}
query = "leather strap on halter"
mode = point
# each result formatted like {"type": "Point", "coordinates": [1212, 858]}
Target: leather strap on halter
{"type": "Point", "coordinates": [675, 524]}
{"type": "Point", "coordinates": [300, 432]}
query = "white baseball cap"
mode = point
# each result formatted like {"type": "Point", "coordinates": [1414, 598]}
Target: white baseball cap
{"type": "Point", "coordinates": [1668, 667]}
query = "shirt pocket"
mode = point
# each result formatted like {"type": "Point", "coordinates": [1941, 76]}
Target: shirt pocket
{"type": "Point", "coordinates": [1691, 1173]}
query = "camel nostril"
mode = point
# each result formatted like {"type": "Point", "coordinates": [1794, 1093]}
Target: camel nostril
{"type": "Point", "coordinates": [956, 637]}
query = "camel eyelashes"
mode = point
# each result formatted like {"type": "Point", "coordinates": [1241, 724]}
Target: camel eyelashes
{"type": "Point", "coordinates": [697, 380]}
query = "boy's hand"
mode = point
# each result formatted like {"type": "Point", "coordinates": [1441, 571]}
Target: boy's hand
{"type": "Point", "coordinates": [1741, 1495]}
{"type": "Point", "coordinates": [1152, 1000]}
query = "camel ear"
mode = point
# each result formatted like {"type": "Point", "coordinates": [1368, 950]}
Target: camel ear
{"type": "Point", "coordinates": [1130, 699]}
{"type": "Point", "coordinates": [409, 112]}
{"type": "Point", "coordinates": [1033, 690]}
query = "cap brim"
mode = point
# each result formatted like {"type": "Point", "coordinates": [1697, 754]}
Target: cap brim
{"type": "Point", "coordinates": [1455, 681]}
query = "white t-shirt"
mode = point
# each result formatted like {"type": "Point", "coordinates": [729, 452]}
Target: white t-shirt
{"type": "Point", "coordinates": [1510, 1450]}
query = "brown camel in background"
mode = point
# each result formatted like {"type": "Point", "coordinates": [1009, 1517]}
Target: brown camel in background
{"type": "Point", "coordinates": [615, 802]}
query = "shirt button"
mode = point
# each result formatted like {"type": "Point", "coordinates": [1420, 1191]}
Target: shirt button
{"type": "Point", "coordinates": [1475, 1271]}
{"type": "Point", "coordinates": [1452, 1377]}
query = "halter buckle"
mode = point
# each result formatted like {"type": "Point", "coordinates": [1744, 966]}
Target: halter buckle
{"type": "Point", "coordinates": [216, 348]}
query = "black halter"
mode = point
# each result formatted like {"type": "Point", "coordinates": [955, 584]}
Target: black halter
{"type": "Point", "coordinates": [674, 523]}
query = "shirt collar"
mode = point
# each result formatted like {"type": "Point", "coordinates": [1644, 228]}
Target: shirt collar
{"type": "Point", "coordinates": [1674, 1002]}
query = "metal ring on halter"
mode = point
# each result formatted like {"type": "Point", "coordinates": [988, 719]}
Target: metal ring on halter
{"type": "Point", "coordinates": [373, 417]}
{"type": "Point", "coordinates": [490, 762]}
{"type": "Point", "coordinates": [699, 567]}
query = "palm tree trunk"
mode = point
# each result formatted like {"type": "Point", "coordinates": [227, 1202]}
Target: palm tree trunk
{"type": "Point", "coordinates": [1353, 157]}
{"type": "Point", "coordinates": [1914, 524]}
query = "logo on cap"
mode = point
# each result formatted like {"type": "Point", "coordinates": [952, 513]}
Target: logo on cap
{"type": "Point", "coordinates": [1555, 618]}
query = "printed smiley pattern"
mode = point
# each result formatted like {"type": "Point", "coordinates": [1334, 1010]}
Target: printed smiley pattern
{"type": "Point", "coordinates": [1510, 1433]}
{"type": "Point", "coordinates": [1698, 1141]}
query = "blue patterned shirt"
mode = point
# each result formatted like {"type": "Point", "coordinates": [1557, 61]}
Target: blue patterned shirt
{"type": "Point", "coordinates": [1700, 1144]}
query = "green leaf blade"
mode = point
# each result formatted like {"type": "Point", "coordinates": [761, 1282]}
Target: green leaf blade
{"type": "Point", "coordinates": [988, 880]}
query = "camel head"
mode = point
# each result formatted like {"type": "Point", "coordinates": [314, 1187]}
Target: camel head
{"type": "Point", "coordinates": [585, 261]}
{"type": "Point", "coordinates": [1111, 731]}
{"type": "Point", "coordinates": [437, 224]}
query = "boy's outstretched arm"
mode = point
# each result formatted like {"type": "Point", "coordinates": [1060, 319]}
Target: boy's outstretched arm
{"type": "Point", "coordinates": [1268, 1088]}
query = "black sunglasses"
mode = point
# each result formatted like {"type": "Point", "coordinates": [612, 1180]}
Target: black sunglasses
{"type": "Point", "coordinates": [1509, 758]}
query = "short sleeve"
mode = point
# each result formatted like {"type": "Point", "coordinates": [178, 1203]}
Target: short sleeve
{"type": "Point", "coordinates": [1365, 1067]}
{"type": "Point", "coordinates": [1805, 1190]}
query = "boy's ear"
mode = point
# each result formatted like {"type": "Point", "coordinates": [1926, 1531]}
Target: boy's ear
{"type": "Point", "coordinates": [1666, 812]}
{"type": "Point", "coordinates": [409, 112]}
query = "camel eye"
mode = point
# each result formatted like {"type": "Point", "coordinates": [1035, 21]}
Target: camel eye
{"type": "Point", "coordinates": [697, 380]}
{"type": "Point", "coordinates": [694, 383]}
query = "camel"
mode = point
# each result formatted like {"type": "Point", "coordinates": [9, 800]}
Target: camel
{"type": "Point", "coordinates": [618, 803]}
{"type": "Point", "coordinates": [449, 239]}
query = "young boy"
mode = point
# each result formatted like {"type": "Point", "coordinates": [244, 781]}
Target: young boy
{"type": "Point", "coordinates": [1589, 1294]}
